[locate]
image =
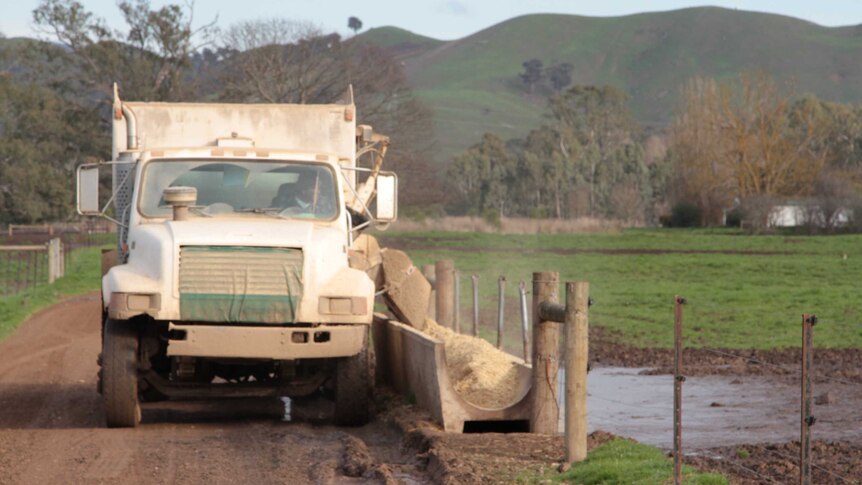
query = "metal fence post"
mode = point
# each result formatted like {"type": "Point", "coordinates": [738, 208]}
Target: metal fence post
{"type": "Point", "coordinates": [18, 275]}
{"type": "Point", "coordinates": [806, 418]}
{"type": "Point", "coordinates": [428, 272]}
{"type": "Point", "coordinates": [501, 311]}
{"type": "Point", "coordinates": [544, 414]}
{"type": "Point", "coordinates": [475, 279]}
{"type": "Point", "coordinates": [678, 379]}
{"type": "Point", "coordinates": [577, 353]}
{"type": "Point", "coordinates": [525, 320]}
{"type": "Point", "coordinates": [33, 255]}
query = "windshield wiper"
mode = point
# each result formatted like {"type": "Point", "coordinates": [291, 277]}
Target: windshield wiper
{"type": "Point", "coordinates": [260, 210]}
{"type": "Point", "coordinates": [269, 211]}
{"type": "Point", "coordinates": [199, 210]}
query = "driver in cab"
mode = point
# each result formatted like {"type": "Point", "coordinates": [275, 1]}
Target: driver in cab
{"type": "Point", "coordinates": [304, 197]}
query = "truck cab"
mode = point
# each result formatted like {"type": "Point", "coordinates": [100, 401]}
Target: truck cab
{"type": "Point", "coordinates": [232, 275]}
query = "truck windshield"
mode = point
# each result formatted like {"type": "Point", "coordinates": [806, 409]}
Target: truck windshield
{"type": "Point", "coordinates": [283, 189]}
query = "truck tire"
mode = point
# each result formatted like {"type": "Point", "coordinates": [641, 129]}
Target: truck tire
{"type": "Point", "coordinates": [353, 389]}
{"type": "Point", "coordinates": [120, 374]}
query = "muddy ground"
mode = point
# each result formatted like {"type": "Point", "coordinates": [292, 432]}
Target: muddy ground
{"type": "Point", "coordinates": [52, 429]}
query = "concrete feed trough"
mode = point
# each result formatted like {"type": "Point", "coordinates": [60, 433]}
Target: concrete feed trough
{"type": "Point", "coordinates": [415, 363]}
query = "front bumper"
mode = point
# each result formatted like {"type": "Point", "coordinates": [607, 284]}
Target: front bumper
{"type": "Point", "coordinates": [277, 343]}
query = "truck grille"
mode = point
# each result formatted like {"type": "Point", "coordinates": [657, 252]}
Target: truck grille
{"type": "Point", "coordinates": [239, 284]}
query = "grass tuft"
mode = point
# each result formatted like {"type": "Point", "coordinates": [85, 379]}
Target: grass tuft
{"type": "Point", "coordinates": [626, 462]}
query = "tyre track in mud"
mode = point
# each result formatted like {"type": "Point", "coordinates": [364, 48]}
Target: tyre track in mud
{"type": "Point", "coordinates": [52, 426]}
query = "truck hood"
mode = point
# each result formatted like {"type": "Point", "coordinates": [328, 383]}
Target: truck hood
{"type": "Point", "coordinates": [154, 259]}
{"type": "Point", "coordinates": [222, 232]}
{"type": "Point", "coordinates": [324, 246]}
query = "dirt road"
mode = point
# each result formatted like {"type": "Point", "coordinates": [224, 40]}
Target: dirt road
{"type": "Point", "coordinates": [52, 429]}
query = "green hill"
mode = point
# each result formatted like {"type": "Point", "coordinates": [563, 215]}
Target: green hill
{"type": "Point", "coordinates": [399, 40]}
{"type": "Point", "coordinates": [473, 87]}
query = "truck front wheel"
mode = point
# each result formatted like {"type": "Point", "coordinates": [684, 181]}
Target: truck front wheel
{"type": "Point", "coordinates": [353, 388]}
{"type": "Point", "coordinates": [120, 374]}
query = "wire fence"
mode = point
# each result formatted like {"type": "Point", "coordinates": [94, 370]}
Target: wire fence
{"type": "Point", "coordinates": [762, 469]}
{"type": "Point", "coordinates": [25, 252]}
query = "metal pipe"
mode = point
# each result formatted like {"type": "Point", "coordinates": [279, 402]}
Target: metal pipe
{"type": "Point", "coordinates": [552, 312]}
{"type": "Point", "coordinates": [131, 128]}
{"type": "Point", "coordinates": [501, 310]}
{"type": "Point", "coordinates": [428, 272]}
{"type": "Point", "coordinates": [475, 279]}
{"type": "Point", "coordinates": [525, 320]}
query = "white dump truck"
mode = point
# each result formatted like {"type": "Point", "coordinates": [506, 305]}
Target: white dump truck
{"type": "Point", "coordinates": [231, 276]}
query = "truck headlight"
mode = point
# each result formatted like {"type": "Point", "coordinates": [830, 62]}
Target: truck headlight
{"type": "Point", "coordinates": [346, 305]}
{"type": "Point", "coordinates": [127, 305]}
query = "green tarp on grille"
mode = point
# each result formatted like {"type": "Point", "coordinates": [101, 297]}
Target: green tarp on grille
{"type": "Point", "coordinates": [240, 284]}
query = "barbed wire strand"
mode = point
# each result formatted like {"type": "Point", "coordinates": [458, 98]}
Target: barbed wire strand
{"type": "Point", "coordinates": [749, 359]}
{"type": "Point", "coordinates": [838, 322]}
{"type": "Point", "coordinates": [794, 460]}
{"type": "Point", "coordinates": [631, 405]}
{"type": "Point", "coordinates": [776, 366]}
{"type": "Point", "coordinates": [751, 470]}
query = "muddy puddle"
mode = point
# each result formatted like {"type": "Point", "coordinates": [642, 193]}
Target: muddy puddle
{"type": "Point", "coordinates": [717, 410]}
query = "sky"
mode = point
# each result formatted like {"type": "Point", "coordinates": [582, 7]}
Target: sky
{"type": "Point", "coordinates": [440, 19]}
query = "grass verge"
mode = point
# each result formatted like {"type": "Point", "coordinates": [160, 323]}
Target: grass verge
{"type": "Point", "coordinates": [627, 462]}
{"type": "Point", "coordinates": [82, 276]}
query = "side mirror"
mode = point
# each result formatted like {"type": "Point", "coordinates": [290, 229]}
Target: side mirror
{"type": "Point", "coordinates": [88, 190]}
{"type": "Point", "coordinates": [387, 197]}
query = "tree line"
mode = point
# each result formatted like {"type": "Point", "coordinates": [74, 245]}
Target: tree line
{"type": "Point", "coordinates": [740, 147]}
{"type": "Point", "coordinates": [750, 143]}
{"type": "Point", "coordinates": [56, 93]}
{"type": "Point", "coordinates": [737, 145]}
{"type": "Point", "coordinates": [586, 160]}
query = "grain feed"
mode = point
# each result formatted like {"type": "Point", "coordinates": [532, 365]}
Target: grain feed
{"type": "Point", "coordinates": [482, 374]}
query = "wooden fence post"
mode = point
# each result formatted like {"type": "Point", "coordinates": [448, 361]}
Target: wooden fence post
{"type": "Point", "coordinates": [475, 279]}
{"type": "Point", "coordinates": [577, 353]}
{"type": "Point", "coordinates": [456, 301]}
{"type": "Point", "coordinates": [544, 413]}
{"type": "Point", "coordinates": [501, 309]}
{"type": "Point", "coordinates": [444, 275]}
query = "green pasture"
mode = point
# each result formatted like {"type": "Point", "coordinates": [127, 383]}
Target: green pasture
{"type": "Point", "coordinates": [743, 291]}
{"type": "Point", "coordinates": [82, 276]}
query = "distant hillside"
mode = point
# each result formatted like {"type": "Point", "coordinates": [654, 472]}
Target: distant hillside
{"type": "Point", "coordinates": [472, 83]}
{"type": "Point", "coordinates": [400, 41]}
